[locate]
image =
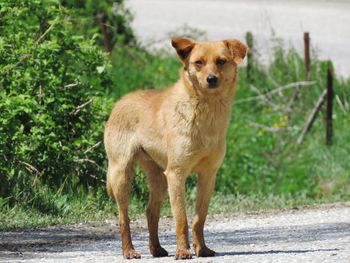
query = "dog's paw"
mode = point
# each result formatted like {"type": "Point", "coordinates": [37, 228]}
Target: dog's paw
{"type": "Point", "coordinates": [205, 252]}
{"type": "Point", "coordinates": [158, 252]}
{"type": "Point", "coordinates": [130, 254]}
{"type": "Point", "coordinates": [183, 254]}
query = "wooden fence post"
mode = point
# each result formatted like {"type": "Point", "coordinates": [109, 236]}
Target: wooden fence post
{"type": "Point", "coordinates": [250, 43]}
{"type": "Point", "coordinates": [329, 113]}
{"type": "Point", "coordinates": [307, 55]}
{"type": "Point", "coordinates": [106, 40]}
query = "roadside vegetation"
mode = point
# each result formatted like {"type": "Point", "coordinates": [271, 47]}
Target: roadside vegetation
{"type": "Point", "coordinates": [57, 87]}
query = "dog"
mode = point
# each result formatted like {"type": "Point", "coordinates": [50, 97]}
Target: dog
{"type": "Point", "coordinates": [171, 134]}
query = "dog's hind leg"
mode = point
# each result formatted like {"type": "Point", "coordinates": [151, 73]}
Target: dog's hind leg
{"type": "Point", "coordinates": [119, 179]}
{"type": "Point", "coordinates": [158, 190]}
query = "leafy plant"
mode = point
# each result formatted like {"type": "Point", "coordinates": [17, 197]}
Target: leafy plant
{"type": "Point", "coordinates": [85, 16]}
{"type": "Point", "coordinates": [57, 88]}
{"type": "Point", "coordinates": [52, 112]}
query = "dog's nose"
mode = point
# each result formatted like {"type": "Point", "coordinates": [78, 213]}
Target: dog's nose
{"type": "Point", "coordinates": [212, 80]}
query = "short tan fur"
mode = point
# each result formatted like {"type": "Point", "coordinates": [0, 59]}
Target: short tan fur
{"type": "Point", "coordinates": [171, 134]}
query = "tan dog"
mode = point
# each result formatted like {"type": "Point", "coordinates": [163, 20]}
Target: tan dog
{"type": "Point", "coordinates": [171, 134]}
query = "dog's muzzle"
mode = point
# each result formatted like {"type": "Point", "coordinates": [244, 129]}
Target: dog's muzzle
{"type": "Point", "coordinates": [212, 81]}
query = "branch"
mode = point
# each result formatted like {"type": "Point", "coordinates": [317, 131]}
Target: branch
{"type": "Point", "coordinates": [72, 85]}
{"type": "Point", "coordinates": [77, 109]}
{"type": "Point", "coordinates": [341, 105]}
{"type": "Point", "coordinates": [313, 116]}
{"type": "Point", "coordinates": [46, 32]}
{"type": "Point", "coordinates": [264, 127]}
{"type": "Point", "coordinates": [92, 147]}
{"type": "Point", "coordinates": [280, 89]}
{"type": "Point", "coordinates": [93, 162]}
{"type": "Point", "coordinates": [30, 168]}
{"type": "Point", "coordinates": [98, 179]}
{"type": "Point", "coordinates": [264, 98]}
{"type": "Point", "coordinates": [270, 129]}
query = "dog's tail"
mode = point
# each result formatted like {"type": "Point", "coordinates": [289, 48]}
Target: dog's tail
{"type": "Point", "coordinates": [109, 189]}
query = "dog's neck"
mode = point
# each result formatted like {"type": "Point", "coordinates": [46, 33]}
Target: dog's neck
{"type": "Point", "coordinates": [226, 95]}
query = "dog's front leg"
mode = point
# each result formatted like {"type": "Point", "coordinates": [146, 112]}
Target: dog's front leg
{"type": "Point", "coordinates": [205, 187]}
{"type": "Point", "coordinates": [176, 186]}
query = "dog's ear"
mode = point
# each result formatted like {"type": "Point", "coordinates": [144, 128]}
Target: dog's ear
{"type": "Point", "coordinates": [183, 46]}
{"type": "Point", "coordinates": [238, 50]}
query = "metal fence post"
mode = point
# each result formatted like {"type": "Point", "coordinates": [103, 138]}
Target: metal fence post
{"type": "Point", "coordinates": [250, 43]}
{"type": "Point", "coordinates": [307, 55]}
{"type": "Point", "coordinates": [329, 113]}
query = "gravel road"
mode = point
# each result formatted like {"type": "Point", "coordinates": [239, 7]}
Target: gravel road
{"type": "Point", "coordinates": [314, 234]}
{"type": "Point", "coordinates": [327, 21]}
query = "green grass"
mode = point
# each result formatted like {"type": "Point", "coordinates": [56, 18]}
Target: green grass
{"type": "Point", "coordinates": [134, 68]}
{"type": "Point", "coordinates": [20, 217]}
{"type": "Point", "coordinates": [264, 169]}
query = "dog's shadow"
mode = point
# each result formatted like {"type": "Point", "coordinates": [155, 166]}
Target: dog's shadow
{"type": "Point", "coordinates": [267, 252]}
{"type": "Point", "coordinates": [271, 235]}
{"type": "Point", "coordinates": [297, 238]}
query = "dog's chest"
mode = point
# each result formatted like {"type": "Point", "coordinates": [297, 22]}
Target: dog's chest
{"type": "Point", "coordinates": [204, 123]}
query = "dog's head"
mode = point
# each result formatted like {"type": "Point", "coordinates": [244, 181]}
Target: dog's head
{"type": "Point", "coordinates": [210, 66]}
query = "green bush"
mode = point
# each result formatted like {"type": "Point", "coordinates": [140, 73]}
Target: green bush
{"type": "Point", "coordinates": [117, 16]}
{"type": "Point", "coordinates": [135, 68]}
{"type": "Point", "coordinates": [57, 89]}
{"type": "Point", "coordinates": [52, 111]}
{"type": "Point", "coordinates": [262, 155]}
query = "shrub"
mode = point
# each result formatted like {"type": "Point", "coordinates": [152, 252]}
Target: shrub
{"type": "Point", "coordinates": [117, 16]}
{"type": "Point", "coordinates": [52, 113]}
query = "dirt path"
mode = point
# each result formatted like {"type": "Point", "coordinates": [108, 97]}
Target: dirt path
{"type": "Point", "coordinates": [320, 234]}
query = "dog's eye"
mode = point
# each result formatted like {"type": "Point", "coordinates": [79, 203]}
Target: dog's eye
{"type": "Point", "coordinates": [199, 62]}
{"type": "Point", "coordinates": [221, 62]}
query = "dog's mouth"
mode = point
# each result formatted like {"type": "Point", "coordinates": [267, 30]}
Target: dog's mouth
{"type": "Point", "coordinates": [213, 85]}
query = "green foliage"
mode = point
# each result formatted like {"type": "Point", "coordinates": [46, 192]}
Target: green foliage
{"type": "Point", "coordinates": [135, 68]}
{"type": "Point", "coordinates": [57, 89]}
{"type": "Point", "coordinates": [52, 111]}
{"type": "Point", "coordinates": [117, 16]}
{"type": "Point", "coordinates": [262, 155]}
{"type": "Point", "coordinates": [90, 205]}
